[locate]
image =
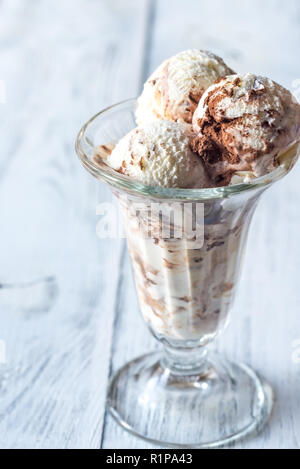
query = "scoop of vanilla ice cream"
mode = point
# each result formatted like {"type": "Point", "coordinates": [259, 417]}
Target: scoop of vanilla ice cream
{"type": "Point", "coordinates": [244, 123]}
{"type": "Point", "coordinates": [159, 155]}
{"type": "Point", "coordinates": [173, 91]}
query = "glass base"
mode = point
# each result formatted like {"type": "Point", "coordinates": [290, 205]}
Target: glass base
{"type": "Point", "coordinates": [222, 404]}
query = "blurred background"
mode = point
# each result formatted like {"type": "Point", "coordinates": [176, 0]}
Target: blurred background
{"type": "Point", "coordinates": [68, 312]}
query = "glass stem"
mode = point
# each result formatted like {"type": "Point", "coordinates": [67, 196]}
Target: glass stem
{"type": "Point", "coordinates": [185, 361]}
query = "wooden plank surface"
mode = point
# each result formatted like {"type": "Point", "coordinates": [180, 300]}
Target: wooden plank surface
{"type": "Point", "coordinates": [62, 62]}
{"type": "Point", "coordinates": [68, 312]}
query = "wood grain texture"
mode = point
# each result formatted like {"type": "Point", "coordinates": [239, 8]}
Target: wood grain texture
{"type": "Point", "coordinates": [62, 62]}
{"type": "Point", "coordinates": [68, 309]}
{"type": "Point", "coordinates": [261, 37]}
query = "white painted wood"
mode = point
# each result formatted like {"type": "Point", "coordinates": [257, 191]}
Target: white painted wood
{"type": "Point", "coordinates": [262, 37]}
{"type": "Point", "coordinates": [61, 62]}
{"type": "Point", "coordinates": [73, 317]}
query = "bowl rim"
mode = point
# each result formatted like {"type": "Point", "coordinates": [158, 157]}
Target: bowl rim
{"type": "Point", "coordinates": [83, 146]}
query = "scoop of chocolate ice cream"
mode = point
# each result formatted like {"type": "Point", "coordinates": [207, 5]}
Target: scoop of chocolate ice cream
{"type": "Point", "coordinates": [244, 123]}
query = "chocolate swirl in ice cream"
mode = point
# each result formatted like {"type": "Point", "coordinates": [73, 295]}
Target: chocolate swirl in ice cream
{"type": "Point", "coordinates": [174, 89]}
{"type": "Point", "coordinates": [243, 123]}
{"type": "Point", "coordinates": [185, 291]}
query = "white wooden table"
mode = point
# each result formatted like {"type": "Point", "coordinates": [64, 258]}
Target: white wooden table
{"type": "Point", "coordinates": [68, 313]}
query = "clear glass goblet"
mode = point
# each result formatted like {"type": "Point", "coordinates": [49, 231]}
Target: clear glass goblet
{"type": "Point", "coordinates": [186, 248]}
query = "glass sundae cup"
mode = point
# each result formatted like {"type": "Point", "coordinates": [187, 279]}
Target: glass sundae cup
{"type": "Point", "coordinates": [186, 248]}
